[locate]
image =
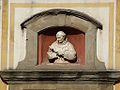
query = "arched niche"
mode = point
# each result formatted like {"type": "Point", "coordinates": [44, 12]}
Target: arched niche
{"type": "Point", "coordinates": [47, 36]}
{"type": "Point", "coordinates": [42, 23]}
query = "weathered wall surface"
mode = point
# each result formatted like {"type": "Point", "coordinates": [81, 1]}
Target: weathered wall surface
{"type": "Point", "coordinates": [14, 12]}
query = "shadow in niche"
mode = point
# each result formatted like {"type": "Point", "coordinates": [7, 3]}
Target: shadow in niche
{"type": "Point", "coordinates": [47, 36]}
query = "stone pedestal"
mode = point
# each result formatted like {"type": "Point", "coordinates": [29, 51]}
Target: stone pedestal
{"type": "Point", "coordinates": [60, 79]}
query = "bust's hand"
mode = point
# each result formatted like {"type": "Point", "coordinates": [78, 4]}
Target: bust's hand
{"type": "Point", "coordinates": [70, 55]}
{"type": "Point", "coordinates": [51, 54]}
{"type": "Point", "coordinates": [60, 52]}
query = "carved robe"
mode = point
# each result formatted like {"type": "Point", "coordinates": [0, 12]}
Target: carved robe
{"type": "Point", "coordinates": [61, 52]}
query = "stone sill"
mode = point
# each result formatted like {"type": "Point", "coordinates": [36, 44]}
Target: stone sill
{"type": "Point", "coordinates": [59, 76]}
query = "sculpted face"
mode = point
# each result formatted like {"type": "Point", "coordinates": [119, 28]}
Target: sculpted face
{"type": "Point", "coordinates": [60, 36]}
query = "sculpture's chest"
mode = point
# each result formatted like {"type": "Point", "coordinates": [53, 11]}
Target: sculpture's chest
{"type": "Point", "coordinates": [61, 47]}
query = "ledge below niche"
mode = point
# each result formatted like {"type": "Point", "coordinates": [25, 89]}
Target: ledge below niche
{"type": "Point", "coordinates": [60, 76]}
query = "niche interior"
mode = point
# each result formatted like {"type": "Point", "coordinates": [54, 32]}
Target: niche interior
{"type": "Point", "coordinates": [47, 36]}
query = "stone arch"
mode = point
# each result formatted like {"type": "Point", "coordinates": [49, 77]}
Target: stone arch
{"type": "Point", "coordinates": [57, 20]}
{"type": "Point", "coordinates": [60, 17]}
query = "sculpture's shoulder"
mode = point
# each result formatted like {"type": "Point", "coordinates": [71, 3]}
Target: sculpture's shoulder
{"type": "Point", "coordinates": [68, 44]}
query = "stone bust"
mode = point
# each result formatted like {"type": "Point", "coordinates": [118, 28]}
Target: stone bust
{"type": "Point", "coordinates": [61, 51]}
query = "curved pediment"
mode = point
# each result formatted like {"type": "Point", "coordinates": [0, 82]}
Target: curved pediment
{"type": "Point", "coordinates": [60, 17]}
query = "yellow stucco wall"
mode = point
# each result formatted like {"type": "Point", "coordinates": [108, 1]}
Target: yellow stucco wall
{"type": "Point", "coordinates": [2, 85]}
{"type": "Point", "coordinates": [117, 87]}
{"type": "Point", "coordinates": [4, 40]}
{"type": "Point", "coordinates": [118, 35]}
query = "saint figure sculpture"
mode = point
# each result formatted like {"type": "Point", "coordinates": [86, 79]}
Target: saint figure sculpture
{"type": "Point", "coordinates": [61, 51]}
